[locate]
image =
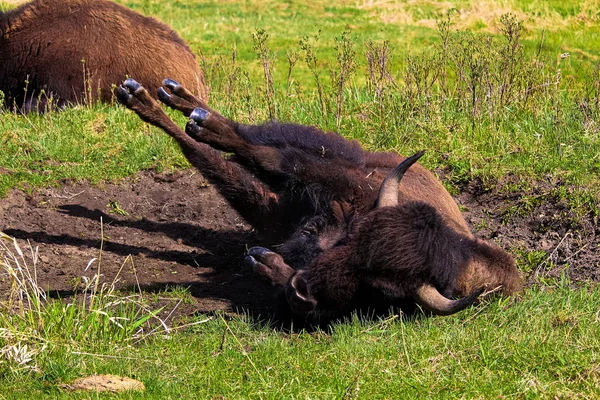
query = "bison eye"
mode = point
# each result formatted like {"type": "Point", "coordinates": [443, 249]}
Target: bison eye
{"type": "Point", "coordinates": [313, 227]}
{"type": "Point", "coordinates": [308, 232]}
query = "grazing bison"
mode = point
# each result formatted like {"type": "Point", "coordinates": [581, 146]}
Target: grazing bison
{"type": "Point", "coordinates": [72, 51]}
{"type": "Point", "coordinates": [356, 230]}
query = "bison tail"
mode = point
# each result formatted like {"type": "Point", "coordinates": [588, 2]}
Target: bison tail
{"type": "Point", "coordinates": [432, 300]}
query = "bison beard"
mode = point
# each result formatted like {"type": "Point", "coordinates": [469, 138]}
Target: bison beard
{"type": "Point", "coordinates": [72, 51]}
{"type": "Point", "coordinates": [355, 232]}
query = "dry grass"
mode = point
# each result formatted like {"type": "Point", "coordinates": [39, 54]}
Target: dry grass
{"type": "Point", "coordinates": [482, 15]}
{"type": "Point", "coordinates": [32, 324]}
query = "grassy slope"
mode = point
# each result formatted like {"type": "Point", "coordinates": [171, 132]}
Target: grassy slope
{"type": "Point", "coordinates": [102, 142]}
{"type": "Point", "coordinates": [544, 345]}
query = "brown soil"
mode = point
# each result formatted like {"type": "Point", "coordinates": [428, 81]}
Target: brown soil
{"type": "Point", "coordinates": [536, 220]}
{"type": "Point", "coordinates": [178, 231]}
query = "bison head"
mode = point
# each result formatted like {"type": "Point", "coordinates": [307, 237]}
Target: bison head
{"type": "Point", "coordinates": [395, 252]}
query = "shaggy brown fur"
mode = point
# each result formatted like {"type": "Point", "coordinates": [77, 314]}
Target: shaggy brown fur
{"type": "Point", "coordinates": [76, 50]}
{"type": "Point", "coordinates": [395, 250]}
{"type": "Point", "coordinates": [346, 244]}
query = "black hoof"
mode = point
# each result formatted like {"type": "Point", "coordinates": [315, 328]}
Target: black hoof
{"type": "Point", "coordinates": [131, 84]}
{"type": "Point", "coordinates": [163, 95]}
{"type": "Point", "coordinates": [257, 251]}
{"type": "Point", "coordinates": [192, 128]}
{"type": "Point", "coordinates": [250, 262]}
{"type": "Point", "coordinates": [170, 83]}
{"type": "Point", "coordinates": [122, 95]}
{"type": "Point", "coordinates": [199, 115]}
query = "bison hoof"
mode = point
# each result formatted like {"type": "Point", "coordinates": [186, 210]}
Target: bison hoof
{"type": "Point", "coordinates": [170, 83]}
{"type": "Point", "coordinates": [250, 262]}
{"type": "Point", "coordinates": [258, 251]}
{"type": "Point", "coordinates": [132, 84]}
{"type": "Point", "coordinates": [122, 94]}
{"type": "Point", "coordinates": [199, 115]}
{"type": "Point", "coordinates": [163, 95]}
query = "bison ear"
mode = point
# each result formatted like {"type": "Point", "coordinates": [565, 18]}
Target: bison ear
{"type": "Point", "coordinates": [296, 292]}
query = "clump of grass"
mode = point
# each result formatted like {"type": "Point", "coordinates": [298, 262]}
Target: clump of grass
{"type": "Point", "coordinates": [379, 76]}
{"type": "Point", "coordinates": [292, 57]}
{"type": "Point", "coordinates": [267, 58]}
{"type": "Point", "coordinates": [307, 45]}
{"type": "Point", "coordinates": [35, 327]}
{"type": "Point", "coordinates": [346, 66]}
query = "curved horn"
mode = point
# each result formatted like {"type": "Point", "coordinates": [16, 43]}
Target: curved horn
{"type": "Point", "coordinates": [432, 300]}
{"type": "Point", "coordinates": [388, 192]}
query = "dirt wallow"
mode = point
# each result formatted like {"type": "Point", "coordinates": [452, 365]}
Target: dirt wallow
{"type": "Point", "coordinates": [162, 239]}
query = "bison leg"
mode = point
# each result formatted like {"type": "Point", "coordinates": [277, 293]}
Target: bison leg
{"type": "Point", "coordinates": [179, 97]}
{"type": "Point", "coordinates": [269, 266]}
{"type": "Point", "coordinates": [209, 128]}
{"type": "Point", "coordinates": [273, 268]}
{"type": "Point", "coordinates": [233, 137]}
{"type": "Point", "coordinates": [255, 202]}
{"type": "Point", "coordinates": [272, 159]}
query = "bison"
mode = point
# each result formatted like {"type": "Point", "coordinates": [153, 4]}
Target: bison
{"type": "Point", "coordinates": [356, 228]}
{"type": "Point", "coordinates": [72, 51]}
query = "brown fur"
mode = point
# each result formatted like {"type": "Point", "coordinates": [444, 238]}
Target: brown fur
{"type": "Point", "coordinates": [316, 193]}
{"type": "Point", "coordinates": [54, 44]}
{"type": "Point", "coordinates": [397, 249]}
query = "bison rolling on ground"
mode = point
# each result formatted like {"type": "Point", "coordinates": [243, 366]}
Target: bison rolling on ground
{"type": "Point", "coordinates": [72, 51]}
{"type": "Point", "coordinates": [357, 229]}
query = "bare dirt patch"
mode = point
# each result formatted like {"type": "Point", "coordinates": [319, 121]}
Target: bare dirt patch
{"type": "Point", "coordinates": [538, 220]}
{"type": "Point", "coordinates": [106, 383]}
{"type": "Point", "coordinates": [174, 229]}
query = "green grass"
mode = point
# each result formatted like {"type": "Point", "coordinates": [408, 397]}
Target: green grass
{"type": "Point", "coordinates": [100, 142]}
{"type": "Point", "coordinates": [545, 344]}
{"type": "Point", "coordinates": [554, 131]}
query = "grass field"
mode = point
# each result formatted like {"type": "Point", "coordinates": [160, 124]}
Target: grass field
{"type": "Point", "coordinates": [487, 97]}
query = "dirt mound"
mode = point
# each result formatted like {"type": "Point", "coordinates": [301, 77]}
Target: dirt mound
{"type": "Point", "coordinates": [178, 231]}
{"type": "Point", "coordinates": [538, 226]}
{"type": "Point", "coordinates": [106, 383]}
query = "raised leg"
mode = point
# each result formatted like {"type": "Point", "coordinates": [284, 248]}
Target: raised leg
{"type": "Point", "coordinates": [179, 98]}
{"type": "Point", "coordinates": [283, 155]}
{"type": "Point", "coordinates": [308, 139]}
{"type": "Point", "coordinates": [252, 198]}
{"type": "Point", "coordinates": [208, 128]}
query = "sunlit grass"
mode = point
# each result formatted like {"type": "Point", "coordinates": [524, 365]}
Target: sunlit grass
{"type": "Point", "coordinates": [543, 344]}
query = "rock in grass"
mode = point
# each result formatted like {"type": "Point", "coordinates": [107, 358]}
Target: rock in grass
{"type": "Point", "coordinates": [106, 383]}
